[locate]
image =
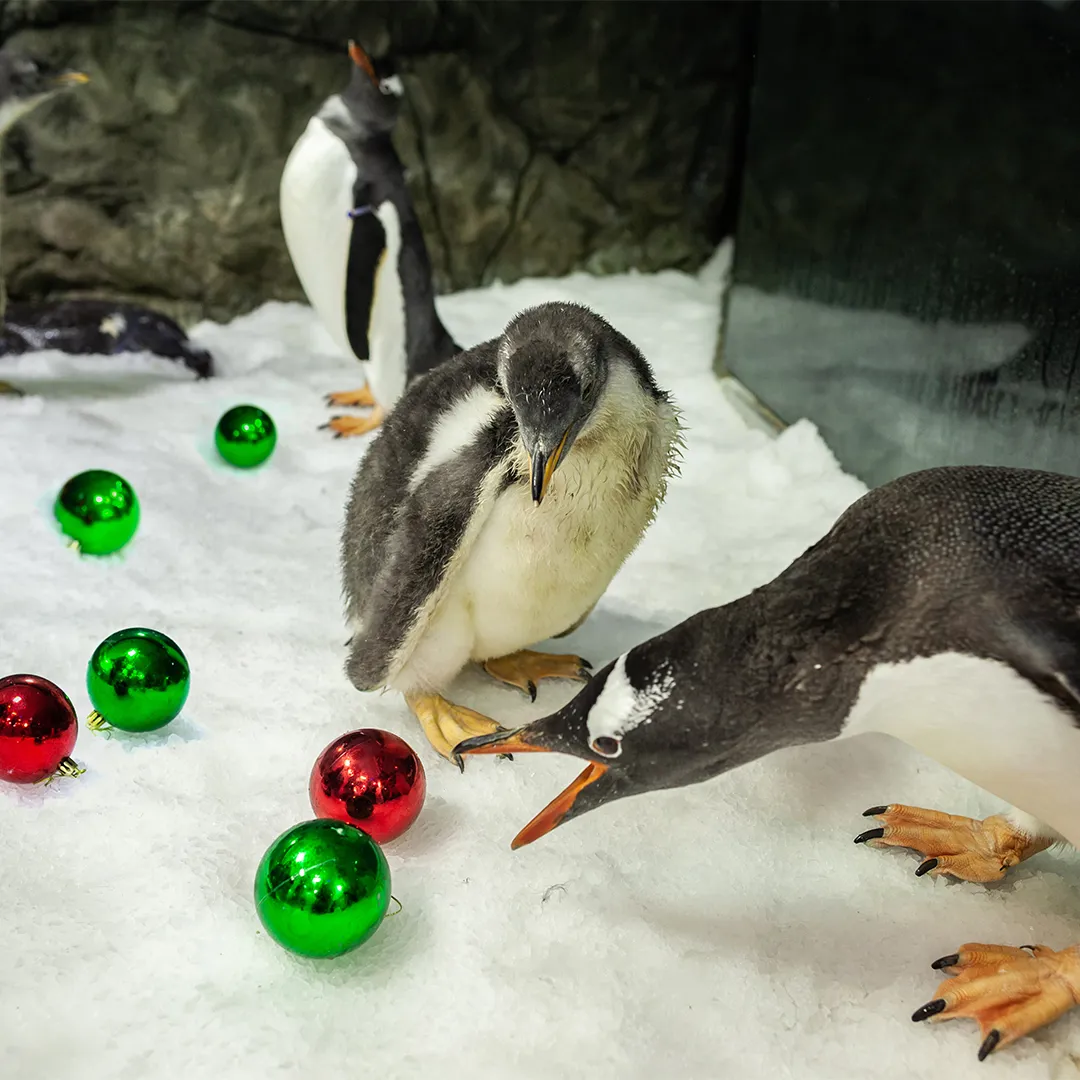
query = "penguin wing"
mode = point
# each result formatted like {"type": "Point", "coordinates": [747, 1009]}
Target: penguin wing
{"type": "Point", "coordinates": [367, 250]}
{"type": "Point", "coordinates": [421, 495]}
{"type": "Point", "coordinates": [1045, 647]}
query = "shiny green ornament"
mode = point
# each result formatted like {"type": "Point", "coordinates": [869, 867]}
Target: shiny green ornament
{"type": "Point", "coordinates": [98, 510]}
{"type": "Point", "coordinates": [322, 888]}
{"type": "Point", "coordinates": [245, 436]}
{"type": "Point", "coordinates": [138, 680]}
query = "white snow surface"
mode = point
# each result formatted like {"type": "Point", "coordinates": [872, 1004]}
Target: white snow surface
{"type": "Point", "coordinates": [727, 930]}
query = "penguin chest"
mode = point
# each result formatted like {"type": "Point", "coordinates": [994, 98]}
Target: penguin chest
{"type": "Point", "coordinates": [387, 341]}
{"type": "Point", "coordinates": [983, 720]}
{"type": "Point", "coordinates": [534, 571]}
{"type": "Point", "coordinates": [316, 195]}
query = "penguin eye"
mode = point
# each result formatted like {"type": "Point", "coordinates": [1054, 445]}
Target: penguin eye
{"type": "Point", "coordinates": [607, 745]}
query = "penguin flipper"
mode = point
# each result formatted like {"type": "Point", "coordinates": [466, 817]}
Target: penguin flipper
{"type": "Point", "coordinates": [434, 527]}
{"type": "Point", "coordinates": [367, 249]}
{"type": "Point", "coordinates": [1046, 651]}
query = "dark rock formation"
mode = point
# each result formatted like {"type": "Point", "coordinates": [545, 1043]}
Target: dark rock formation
{"type": "Point", "coordinates": [539, 137]}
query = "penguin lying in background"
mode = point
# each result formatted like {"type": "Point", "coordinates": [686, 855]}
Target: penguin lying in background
{"type": "Point", "coordinates": [942, 609]}
{"type": "Point", "coordinates": [356, 244]}
{"type": "Point", "coordinates": [87, 326]}
{"type": "Point", "coordinates": [80, 326]}
{"type": "Point", "coordinates": [494, 507]}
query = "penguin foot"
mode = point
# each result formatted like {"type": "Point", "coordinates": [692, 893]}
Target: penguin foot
{"type": "Point", "coordinates": [446, 724]}
{"type": "Point", "coordinates": [1010, 992]}
{"type": "Point", "coordinates": [7, 388]}
{"type": "Point", "coordinates": [524, 669]}
{"type": "Point", "coordinates": [962, 847]}
{"type": "Point", "coordinates": [346, 426]}
{"type": "Point", "coordinates": [345, 398]}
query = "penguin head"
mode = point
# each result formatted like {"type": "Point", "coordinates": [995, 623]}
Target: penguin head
{"type": "Point", "coordinates": [552, 370]}
{"type": "Point", "coordinates": [25, 83]}
{"type": "Point", "coordinates": [629, 724]}
{"type": "Point", "coordinates": [372, 99]}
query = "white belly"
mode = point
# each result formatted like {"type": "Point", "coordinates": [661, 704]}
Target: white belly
{"type": "Point", "coordinates": [983, 721]}
{"type": "Point", "coordinates": [316, 195]}
{"type": "Point", "coordinates": [386, 330]}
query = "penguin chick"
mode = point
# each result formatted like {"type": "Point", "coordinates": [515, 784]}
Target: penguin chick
{"type": "Point", "coordinates": [942, 609]}
{"type": "Point", "coordinates": [356, 244]}
{"type": "Point", "coordinates": [494, 507]}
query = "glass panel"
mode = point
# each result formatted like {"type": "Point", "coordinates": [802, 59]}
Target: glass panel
{"type": "Point", "coordinates": [907, 261]}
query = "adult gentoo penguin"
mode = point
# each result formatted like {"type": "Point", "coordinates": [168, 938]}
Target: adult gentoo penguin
{"type": "Point", "coordinates": [494, 507]}
{"type": "Point", "coordinates": [942, 609]}
{"type": "Point", "coordinates": [356, 244]}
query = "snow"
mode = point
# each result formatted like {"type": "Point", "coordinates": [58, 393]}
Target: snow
{"type": "Point", "coordinates": [726, 930]}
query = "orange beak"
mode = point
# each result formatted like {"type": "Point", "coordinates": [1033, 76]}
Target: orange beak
{"type": "Point", "coordinates": [362, 61]}
{"type": "Point", "coordinates": [513, 742]}
{"type": "Point", "coordinates": [558, 808]}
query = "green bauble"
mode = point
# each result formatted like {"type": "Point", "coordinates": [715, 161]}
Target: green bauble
{"type": "Point", "coordinates": [98, 510]}
{"type": "Point", "coordinates": [138, 680]}
{"type": "Point", "coordinates": [322, 888]}
{"type": "Point", "coordinates": [245, 436]}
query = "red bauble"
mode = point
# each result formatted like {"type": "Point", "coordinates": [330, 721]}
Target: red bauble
{"type": "Point", "coordinates": [38, 728]}
{"type": "Point", "coordinates": [371, 779]}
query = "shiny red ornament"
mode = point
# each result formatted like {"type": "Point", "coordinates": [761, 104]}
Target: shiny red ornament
{"type": "Point", "coordinates": [38, 728]}
{"type": "Point", "coordinates": [371, 779]}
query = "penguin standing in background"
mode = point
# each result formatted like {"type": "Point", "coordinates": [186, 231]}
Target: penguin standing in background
{"type": "Point", "coordinates": [494, 507]}
{"type": "Point", "coordinates": [356, 244]}
{"type": "Point", "coordinates": [942, 609]}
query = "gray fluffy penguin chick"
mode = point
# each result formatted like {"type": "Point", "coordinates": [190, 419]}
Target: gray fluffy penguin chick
{"type": "Point", "coordinates": [494, 507]}
{"type": "Point", "coordinates": [942, 609]}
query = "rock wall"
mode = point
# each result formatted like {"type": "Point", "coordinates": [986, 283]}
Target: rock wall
{"type": "Point", "coordinates": [539, 138]}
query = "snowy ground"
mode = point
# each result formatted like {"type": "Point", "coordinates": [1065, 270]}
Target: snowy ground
{"type": "Point", "coordinates": [730, 930]}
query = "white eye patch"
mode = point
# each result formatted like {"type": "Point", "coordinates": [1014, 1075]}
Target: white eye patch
{"type": "Point", "coordinates": [621, 707]}
{"type": "Point", "coordinates": [392, 84]}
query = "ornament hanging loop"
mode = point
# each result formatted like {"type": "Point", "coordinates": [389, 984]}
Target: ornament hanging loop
{"type": "Point", "coordinates": [391, 914]}
{"type": "Point", "coordinates": [67, 767]}
{"type": "Point", "coordinates": [96, 722]}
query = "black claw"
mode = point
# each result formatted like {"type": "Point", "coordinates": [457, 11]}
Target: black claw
{"type": "Point", "coordinates": [931, 1008]}
{"type": "Point", "coordinates": [875, 810]}
{"type": "Point", "coordinates": [532, 690]}
{"type": "Point", "coordinates": [870, 834]}
{"type": "Point", "coordinates": [323, 427]}
{"type": "Point", "coordinates": [459, 761]}
{"type": "Point", "coordinates": [926, 867]}
{"type": "Point", "coordinates": [989, 1043]}
{"type": "Point", "coordinates": [946, 961]}
{"type": "Point", "coordinates": [504, 757]}
{"type": "Point", "coordinates": [584, 673]}
{"type": "Point", "coordinates": [585, 663]}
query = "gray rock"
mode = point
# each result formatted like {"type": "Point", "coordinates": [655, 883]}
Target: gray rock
{"type": "Point", "coordinates": [539, 139]}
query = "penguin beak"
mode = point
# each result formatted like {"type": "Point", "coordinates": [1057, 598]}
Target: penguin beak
{"type": "Point", "coordinates": [556, 811]}
{"type": "Point", "coordinates": [362, 61]}
{"type": "Point", "coordinates": [542, 468]}
{"type": "Point", "coordinates": [71, 78]}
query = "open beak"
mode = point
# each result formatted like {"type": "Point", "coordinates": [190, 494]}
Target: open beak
{"type": "Point", "coordinates": [72, 78]}
{"type": "Point", "coordinates": [516, 742]}
{"type": "Point", "coordinates": [362, 61]}
{"type": "Point", "coordinates": [543, 467]}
